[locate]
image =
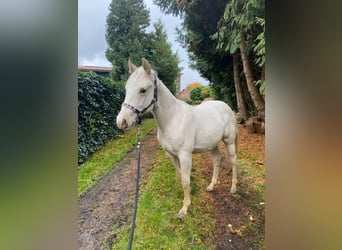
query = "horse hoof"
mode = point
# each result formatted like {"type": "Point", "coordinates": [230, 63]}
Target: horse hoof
{"type": "Point", "coordinates": [210, 189]}
{"type": "Point", "coordinates": [233, 190]}
{"type": "Point", "coordinates": [181, 215]}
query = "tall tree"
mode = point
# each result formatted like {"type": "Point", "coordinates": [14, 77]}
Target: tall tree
{"type": "Point", "coordinates": [163, 60]}
{"type": "Point", "coordinates": [125, 35]}
{"type": "Point", "coordinates": [238, 88]}
{"type": "Point", "coordinates": [127, 38]}
{"type": "Point", "coordinates": [200, 20]}
{"type": "Point", "coordinates": [212, 32]}
{"type": "Point", "coordinates": [242, 27]}
{"type": "Point", "coordinates": [251, 84]}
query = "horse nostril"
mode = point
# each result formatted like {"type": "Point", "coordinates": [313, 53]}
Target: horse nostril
{"type": "Point", "coordinates": [124, 123]}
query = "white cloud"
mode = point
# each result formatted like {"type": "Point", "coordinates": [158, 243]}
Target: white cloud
{"type": "Point", "coordinates": [96, 60]}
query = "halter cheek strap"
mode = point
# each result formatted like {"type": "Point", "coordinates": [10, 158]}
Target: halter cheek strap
{"type": "Point", "coordinates": [140, 113]}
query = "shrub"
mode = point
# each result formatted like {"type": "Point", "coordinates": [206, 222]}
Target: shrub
{"type": "Point", "coordinates": [198, 94]}
{"type": "Point", "coordinates": [99, 101]}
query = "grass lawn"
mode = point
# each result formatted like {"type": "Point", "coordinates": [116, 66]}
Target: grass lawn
{"type": "Point", "coordinates": [111, 153]}
{"type": "Point", "coordinates": [157, 225]}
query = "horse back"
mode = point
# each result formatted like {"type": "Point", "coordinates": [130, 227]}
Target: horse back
{"type": "Point", "coordinates": [216, 110]}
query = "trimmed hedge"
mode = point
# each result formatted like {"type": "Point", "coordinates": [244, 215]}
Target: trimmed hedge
{"type": "Point", "coordinates": [99, 101]}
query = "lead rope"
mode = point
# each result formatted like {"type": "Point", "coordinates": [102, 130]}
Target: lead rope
{"type": "Point", "coordinates": [136, 190]}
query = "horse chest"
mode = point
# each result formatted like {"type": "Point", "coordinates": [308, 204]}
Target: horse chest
{"type": "Point", "coordinates": [171, 143]}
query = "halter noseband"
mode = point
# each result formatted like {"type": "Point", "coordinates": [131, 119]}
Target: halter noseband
{"type": "Point", "coordinates": [140, 113]}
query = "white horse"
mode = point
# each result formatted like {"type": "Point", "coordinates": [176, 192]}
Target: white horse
{"type": "Point", "coordinates": [182, 129]}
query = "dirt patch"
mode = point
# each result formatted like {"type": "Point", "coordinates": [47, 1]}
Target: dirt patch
{"type": "Point", "coordinates": [109, 203]}
{"type": "Point", "coordinates": [239, 218]}
{"type": "Point", "coordinates": [108, 206]}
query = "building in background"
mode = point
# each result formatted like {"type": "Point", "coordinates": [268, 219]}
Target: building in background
{"type": "Point", "coordinates": [184, 95]}
{"type": "Point", "coordinates": [103, 71]}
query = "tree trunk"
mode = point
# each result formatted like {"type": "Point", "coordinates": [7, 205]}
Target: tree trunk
{"type": "Point", "coordinates": [263, 79]}
{"type": "Point", "coordinates": [238, 89]}
{"type": "Point", "coordinates": [252, 88]}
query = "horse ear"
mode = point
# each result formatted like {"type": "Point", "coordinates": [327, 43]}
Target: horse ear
{"type": "Point", "coordinates": [131, 66]}
{"type": "Point", "coordinates": [146, 66]}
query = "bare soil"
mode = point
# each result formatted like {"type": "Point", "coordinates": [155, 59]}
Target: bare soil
{"type": "Point", "coordinates": [109, 204]}
{"type": "Point", "coordinates": [240, 218]}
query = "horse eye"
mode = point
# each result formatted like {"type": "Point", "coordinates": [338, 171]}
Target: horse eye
{"type": "Point", "coordinates": [142, 91]}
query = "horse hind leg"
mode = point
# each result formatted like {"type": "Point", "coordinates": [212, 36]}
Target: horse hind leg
{"type": "Point", "coordinates": [216, 157]}
{"type": "Point", "coordinates": [231, 148]}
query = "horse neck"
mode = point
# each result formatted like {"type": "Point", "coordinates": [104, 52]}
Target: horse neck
{"type": "Point", "coordinates": [166, 106]}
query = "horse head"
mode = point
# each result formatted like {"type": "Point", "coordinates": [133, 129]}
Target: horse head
{"type": "Point", "coordinates": [141, 95]}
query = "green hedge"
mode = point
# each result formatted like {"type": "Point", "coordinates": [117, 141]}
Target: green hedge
{"type": "Point", "coordinates": [99, 101]}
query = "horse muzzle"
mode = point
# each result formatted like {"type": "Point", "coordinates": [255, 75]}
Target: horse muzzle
{"type": "Point", "coordinates": [125, 120]}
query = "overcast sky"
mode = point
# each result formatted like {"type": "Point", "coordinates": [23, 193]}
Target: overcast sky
{"type": "Point", "coordinates": [92, 42]}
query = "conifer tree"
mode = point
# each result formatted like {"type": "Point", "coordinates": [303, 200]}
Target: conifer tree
{"type": "Point", "coordinates": [163, 60]}
{"type": "Point", "coordinates": [125, 35]}
{"type": "Point", "coordinates": [127, 38]}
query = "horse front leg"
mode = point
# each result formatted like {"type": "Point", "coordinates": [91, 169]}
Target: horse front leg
{"type": "Point", "coordinates": [185, 165]}
{"type": "Point", "coordinates": [176, 163]}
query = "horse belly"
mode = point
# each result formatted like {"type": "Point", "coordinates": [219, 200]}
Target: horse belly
{"type": "Point", "coordinates": [207, 136]}
{"type": "Point", "coordinates": [206, 143]}
{"type": "Point", "coordinates": [209, 130]}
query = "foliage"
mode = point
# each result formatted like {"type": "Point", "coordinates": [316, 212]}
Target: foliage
{"type": "Point", "coordinates": [170, 7]}
{"type": "Point", "coordinates": [99, 101]}
{"type": "Point", "coordinates": [195, 94]}
{"type": "Point", "coordinates": [199, 93]}
{"type": "Point", "coordinates": [261, 85]}
{"type": "Point", "coordinates": [127, 38]}
{"type": "Point", "coordinates": [260, 46]}
{"type": "Point", "coordinates": [211, 32]}
{"type": "Point", "coordinates": [162, 59]}
{"type": "Point", "coordinates": [244, 19]}
{"type": "Point", "coordinates": [260, 51]}
{"type": "Point", "coordinates": [200, 19]}
{"type": "Point", "coordinates": [200, 22]}
{"type": "Point", "coordinates": [193, 85]}
{"type": "Point", "coordinates": [226, 93]}
{"type": "Point", "coordinates": [126, 35]}
{"type": "Point", "coordinates": [240, 16]}
{"type": "Point", "coordinates": [105, 158]}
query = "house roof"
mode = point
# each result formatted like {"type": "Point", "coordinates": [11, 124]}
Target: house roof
{"type": "Point", "coordinates": [94, 68]}
{"type": "Point", "coordinates": [184, 94]}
